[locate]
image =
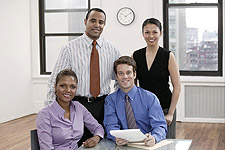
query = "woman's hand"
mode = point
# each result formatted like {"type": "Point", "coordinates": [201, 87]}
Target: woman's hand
{"type": "Point", "coordinates": [150, 140]}
{"type": "Point", "coordinates": [91, 142]}
{"type": "Point", "coordinates": [169, 118]}
{"type": "Point", "coordinates": [120, 141]}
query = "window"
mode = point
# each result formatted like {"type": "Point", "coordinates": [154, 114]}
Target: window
{"type": "Point", "coordinates": [59, 22]}
{"type": "Point", "coordinates": [193, 32]}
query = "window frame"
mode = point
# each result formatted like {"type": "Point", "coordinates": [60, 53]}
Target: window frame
{"type": "Point", "coordinates": [219, 5]}
{"type": "Point", "coordinates": [43, 35]}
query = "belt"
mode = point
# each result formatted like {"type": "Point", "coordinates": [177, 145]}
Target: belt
{"type": "Point", "coordinates": [90, 99]}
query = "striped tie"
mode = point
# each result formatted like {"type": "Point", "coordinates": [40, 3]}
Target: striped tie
{"type": "Point", "coordinates": [130, 115]}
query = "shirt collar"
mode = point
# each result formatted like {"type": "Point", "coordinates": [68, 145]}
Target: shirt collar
{"type": "Point", "coordinates": [59, 110]}
{"type": "Point", "coordinates": [89, 41]}
{"type": "Point", "coordinates": [131, 93]}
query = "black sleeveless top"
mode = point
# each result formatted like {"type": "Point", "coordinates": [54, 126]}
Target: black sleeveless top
{"type": "Point", "coordinates": [155, 80]}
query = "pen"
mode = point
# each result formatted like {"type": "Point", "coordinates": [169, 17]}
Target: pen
{"type": "Point", "coordinates": [147, 134]}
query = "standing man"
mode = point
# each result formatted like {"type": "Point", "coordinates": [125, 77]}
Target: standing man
{"type": "Point", "coordinates": [91, 57]}
{"type": "Point", "coordinates": [132, 107]}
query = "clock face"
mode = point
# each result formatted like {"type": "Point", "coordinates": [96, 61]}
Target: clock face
{"type": "Point", "coordinates": [125, 16]}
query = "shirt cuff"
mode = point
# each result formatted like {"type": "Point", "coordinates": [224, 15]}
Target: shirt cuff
{"type": "Point", "coordinates": [156, 138]}
{"type": "Point", "coordinates": [100, 135]}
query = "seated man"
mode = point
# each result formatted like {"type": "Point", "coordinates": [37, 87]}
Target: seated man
{"type": "Point", "coordinates": [140, 109]}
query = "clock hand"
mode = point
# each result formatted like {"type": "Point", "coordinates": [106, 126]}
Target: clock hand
{"type": "Point", "coordinates": [128, 14]}
{"type": "Point", "coordinates": [123, 14]}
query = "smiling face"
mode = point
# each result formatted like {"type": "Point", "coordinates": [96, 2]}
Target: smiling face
{"type": "Point", "coordinates": [125, 77]}
{"type": "Point", "coordinates": [94, 24]}
{"type": "Point", "coordinates": [151, 34]}
{"type": "Point", "coordinates": [65, 89]}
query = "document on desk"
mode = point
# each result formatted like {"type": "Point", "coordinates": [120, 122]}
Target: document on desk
{"type": "Point", "coordinates": [157, 145]}
{"type": "Point", "coordinates": [132, 135]}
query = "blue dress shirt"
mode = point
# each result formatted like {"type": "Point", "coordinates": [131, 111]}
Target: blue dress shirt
{"type": "Point", "coordinates": [146, 108]}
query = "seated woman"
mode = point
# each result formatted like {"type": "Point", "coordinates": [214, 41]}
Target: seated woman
{"type": "Point", "coordinates": [60, 125]}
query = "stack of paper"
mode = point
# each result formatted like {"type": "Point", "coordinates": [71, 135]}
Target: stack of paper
{"type": "Point", "coordinates": [136, 138]}
{"type": "Point", "coordinates": [132, 135]}
{"type": "Point", "coordinates": [157, 145]}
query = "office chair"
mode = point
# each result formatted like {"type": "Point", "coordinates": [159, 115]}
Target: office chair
{"type": "Point", "coordinates": [34, 140]}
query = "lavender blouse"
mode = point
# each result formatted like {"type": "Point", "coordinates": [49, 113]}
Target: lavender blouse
{"type": "Point", "coordinates": [59, 133]}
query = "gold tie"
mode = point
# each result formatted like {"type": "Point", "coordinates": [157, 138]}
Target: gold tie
{"type": "Point", "coordinates": [94, 72]}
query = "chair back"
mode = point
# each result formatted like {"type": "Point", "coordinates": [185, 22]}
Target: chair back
{"type": "Point", "coordinates": [34, 140]}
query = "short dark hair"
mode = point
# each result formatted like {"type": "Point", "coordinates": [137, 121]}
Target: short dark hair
{"type": "Point", "coordinates": [152, 21]}
{"type": "Point", "coordinates": [95, 9]}
{"type": "Point", "coordinates": [125, 60]}
{"type": "Point", "coordinates": [65, 72]}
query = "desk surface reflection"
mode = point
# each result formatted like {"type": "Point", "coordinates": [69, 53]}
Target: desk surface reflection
{"type": "Point", "coordinates": [104, 144]}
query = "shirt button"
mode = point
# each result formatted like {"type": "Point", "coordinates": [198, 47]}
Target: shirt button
{"type": "Point", "coordinates": [70, 147]}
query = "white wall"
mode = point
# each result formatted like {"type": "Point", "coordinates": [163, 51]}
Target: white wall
{"type": "Point", "coordinates": [23, 90]}
{"type": "Point", "coordinates": [129, 38]}
{"type": "Point", "coordinates": [15, 60]}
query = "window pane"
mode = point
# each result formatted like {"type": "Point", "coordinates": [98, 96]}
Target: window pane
{"type": "Point", "coordinates": [66, 22]}
{"type": "Point", "coordinates": [196, 46]}
{"type": "Point", "coordinates": [66, 4]}
{"type": "Point", "coordinates": [53, 47]}
{"type": "Point", "coordinates": [193, 1]}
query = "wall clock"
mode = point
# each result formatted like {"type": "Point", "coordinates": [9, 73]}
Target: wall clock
{"type": "Point", "coordinates": [125, 16]}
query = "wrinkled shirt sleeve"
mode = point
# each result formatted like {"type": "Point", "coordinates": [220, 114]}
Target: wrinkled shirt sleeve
{"type": "Point", "coordinates": [110, 117]}
{"type": "Point", "coordinates": [44, 131]}
{"type": "Point", "coordinates": [116, 85]}
{"type": "Point", "coordinates": [63, 62]}
{"type": "Point", "coordinates": [157, 120]}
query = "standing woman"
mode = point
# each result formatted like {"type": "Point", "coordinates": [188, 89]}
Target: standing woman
{"type": "Point", "coordinates": [154, 66]}
{"type": "Point", "coordinates": [60, 125]}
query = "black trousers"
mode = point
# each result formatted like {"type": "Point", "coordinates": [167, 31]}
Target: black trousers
{"type": "Point", "coordinates": [96, 107]}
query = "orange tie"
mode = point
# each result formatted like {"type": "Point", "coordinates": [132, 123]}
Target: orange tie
{"type": "Point", "coordinates": [94, 72]}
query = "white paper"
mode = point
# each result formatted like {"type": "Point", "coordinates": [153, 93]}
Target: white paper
{"type": "Point", "coordinates": [132, 135]}
{"type": "Point", "coordinates": [156, 146]}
